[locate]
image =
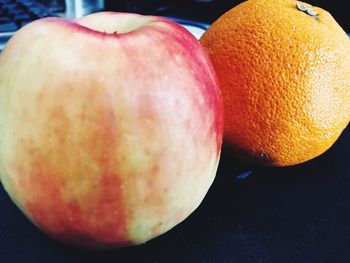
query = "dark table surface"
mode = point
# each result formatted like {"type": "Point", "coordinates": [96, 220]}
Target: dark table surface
{"type": "Point", "coordinates": [294, 214]}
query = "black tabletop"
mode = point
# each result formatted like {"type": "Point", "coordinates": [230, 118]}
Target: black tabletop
{"type": "Point", "coordinates": [293, 214]}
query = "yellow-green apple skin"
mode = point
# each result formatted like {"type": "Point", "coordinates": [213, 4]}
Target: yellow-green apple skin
{"type": "Point", "coordinates": [110, 127]}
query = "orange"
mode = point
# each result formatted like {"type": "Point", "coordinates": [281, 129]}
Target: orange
{"type": "Point", "coordinates": [284, 72]}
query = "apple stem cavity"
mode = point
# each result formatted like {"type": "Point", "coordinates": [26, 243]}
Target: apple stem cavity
{"type": "Point", "coordinates": [114, 23]}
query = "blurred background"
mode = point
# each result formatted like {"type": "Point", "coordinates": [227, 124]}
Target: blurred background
{"type": "Point", "coordinates": [209, 10]}
{"type": "Point", "coordinates": [193, 13]}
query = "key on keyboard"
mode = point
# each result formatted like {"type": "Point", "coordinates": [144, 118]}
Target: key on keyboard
{"type": "Point", "coordinates": [8, 27]}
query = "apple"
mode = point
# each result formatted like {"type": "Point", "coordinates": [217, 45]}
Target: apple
{"type": "Point", "coordinates": [110, 127]}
